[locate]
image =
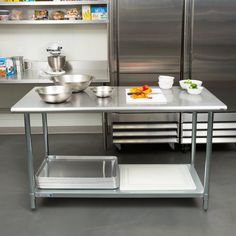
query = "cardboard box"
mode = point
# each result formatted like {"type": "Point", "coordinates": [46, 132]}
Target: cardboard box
{"type": "Point", "coordinates": [86, 12]}
{"type": "Point", "coordinates": [99, 12]}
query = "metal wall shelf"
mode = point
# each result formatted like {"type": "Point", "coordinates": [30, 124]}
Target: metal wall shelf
{"type": "Point", "coordinates": [53, 3]}
{"type": "Point", "coordinates": [53, 22]}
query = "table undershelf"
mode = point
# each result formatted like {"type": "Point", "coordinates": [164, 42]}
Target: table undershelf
{"type": "Point", "coordinates": [183, 178]}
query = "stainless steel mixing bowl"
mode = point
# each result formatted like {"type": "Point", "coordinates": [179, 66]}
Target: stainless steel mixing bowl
{"type": "Point", "coordinates": [54, 94]}
{"type": "Point", "coordinates": [57, 63]}
{"type": "Point", "coordinates": [102, 91]}
{"type": "Point", "coordinates": [77, 83]}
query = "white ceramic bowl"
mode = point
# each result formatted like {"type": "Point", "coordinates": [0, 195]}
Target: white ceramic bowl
{"type": "Point", "coordinates": [195, 91]}
{"type": "Point", "coordinates": [185, 85]}
{"type": "Point", "coordinates": [166, 78]}
{"type": "Point", "coordinates": [165, 85]}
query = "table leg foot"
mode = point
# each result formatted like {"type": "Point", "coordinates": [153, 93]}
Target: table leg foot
{"type": "Point", "coordinates": [32, 201]}
{"type": "Point", "coordinates": [205, 202]}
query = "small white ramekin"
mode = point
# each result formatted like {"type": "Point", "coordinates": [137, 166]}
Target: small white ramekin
{"type": "Point", "coordinates": [165, 85]}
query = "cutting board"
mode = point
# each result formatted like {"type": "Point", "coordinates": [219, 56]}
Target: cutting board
{"type": "Point", "coordinates": [162, 177]}
{"type": "Point", "coordinates": [157, 98]}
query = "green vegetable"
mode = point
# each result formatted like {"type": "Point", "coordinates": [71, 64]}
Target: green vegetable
{"type": "Point", "coordinates": [193, 86]}
{"type": "Point", "coordinates": [188, 81]}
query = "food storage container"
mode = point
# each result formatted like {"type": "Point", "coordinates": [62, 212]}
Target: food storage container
{"type": "Point", "coordinates": [4, 15]}
{"type": "Point", "coordinates": [41, 14]}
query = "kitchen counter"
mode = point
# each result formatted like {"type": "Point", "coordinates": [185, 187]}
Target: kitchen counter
{"type": "Point", "coordinates": [36, 75]}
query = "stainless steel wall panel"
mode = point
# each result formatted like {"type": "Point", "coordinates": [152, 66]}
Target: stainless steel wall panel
{"type": "Point", "coordinates": [140, 79]}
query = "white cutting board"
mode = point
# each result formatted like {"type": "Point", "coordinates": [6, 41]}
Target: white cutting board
{"type": "Point", "coordinates": [155, 177]}
{"type": "Point", "coordinates": [157, 97]}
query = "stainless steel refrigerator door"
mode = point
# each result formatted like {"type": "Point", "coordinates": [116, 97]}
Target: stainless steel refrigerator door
{"type": "Point", "coordinates": [149, 36]}
{"type": "Point", "coordinates": [214, 40]}
{"type": "Point", "coordinates": [214, 48]}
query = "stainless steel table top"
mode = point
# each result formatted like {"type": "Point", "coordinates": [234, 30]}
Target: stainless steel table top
{"type": "Point", "coordinates": [178, 100]}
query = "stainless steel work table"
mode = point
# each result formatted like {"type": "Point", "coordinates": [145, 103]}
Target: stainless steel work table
{"type": "Point", "coordinates": [177, 101]}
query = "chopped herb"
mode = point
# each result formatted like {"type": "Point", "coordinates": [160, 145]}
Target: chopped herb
{"type": "Point", "coordinates": [188, 81]}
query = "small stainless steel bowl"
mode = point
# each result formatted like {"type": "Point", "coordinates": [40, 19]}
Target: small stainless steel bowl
{"type": "Point", "coordinates": [77, 83]}
{"type": "Point", "coordinates": [102, 91]}
{"type": "Point", "coordinates": [54, 94]}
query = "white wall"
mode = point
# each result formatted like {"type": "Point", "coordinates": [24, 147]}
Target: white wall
{"type": "Point", "coordinates": [80, 42]}
{"type": "Point", "coordinates": [86, 119]}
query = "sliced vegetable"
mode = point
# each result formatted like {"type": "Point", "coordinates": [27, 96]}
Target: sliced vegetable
{"type": "Point", "coordinates": [145, 87]}
{"type": "Point", "coordinates": [193, 86]}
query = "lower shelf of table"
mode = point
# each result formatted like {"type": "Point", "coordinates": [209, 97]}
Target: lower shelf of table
{"type": "Point", "coordinates": [124, 192]}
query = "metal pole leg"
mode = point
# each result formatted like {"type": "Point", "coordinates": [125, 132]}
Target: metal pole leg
{"type": "Point", "coordinates": [45, 134]}
{"type": "Point", "coordinates": [194, 137]}
{"type": "Point", "coordinates": [208, 160]}
{"type": "Point", "coordinates": [30, 161]}
{"type": "Point", "coordinates": [104, 130]}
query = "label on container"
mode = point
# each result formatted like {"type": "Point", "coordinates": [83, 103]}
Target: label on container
{"type": "Point", "coordinates": [99, 12]}
{"type": "Point", "coordinates": [86, 12]}
{"type": "Point", "coordinates": [2, 67]}
{"type": "Point", "coordinates": [9, 67]}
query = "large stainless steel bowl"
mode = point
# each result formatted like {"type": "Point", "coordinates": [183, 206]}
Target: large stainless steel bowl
{"type": "Point", "coordinates": [54, 94]}
{"type": "Point", "coordinates": [77, 83]}
{"type": "Point", "coordinates": [57, 63]}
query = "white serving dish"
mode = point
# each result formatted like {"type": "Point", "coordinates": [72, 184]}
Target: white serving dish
{"type": "Point", "coordinates": [165, 85]}
{"type": "Point", "coordinates": [195, 91]}
{"type": "Point", "coordinates": [185, 86]}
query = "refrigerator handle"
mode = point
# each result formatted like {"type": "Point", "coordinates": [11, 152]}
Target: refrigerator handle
{"type": "Point", "coordinates": [187, 39]}
{"type": "Point", "coordinates": [113, 41]}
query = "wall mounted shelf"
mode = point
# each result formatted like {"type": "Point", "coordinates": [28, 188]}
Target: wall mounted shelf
{"type": "Point", "coordinates": [52, 3]}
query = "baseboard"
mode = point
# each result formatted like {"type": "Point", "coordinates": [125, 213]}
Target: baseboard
{"type": "Point", "coordinates": [52, 130]}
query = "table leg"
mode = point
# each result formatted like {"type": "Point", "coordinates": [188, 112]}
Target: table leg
{"type": "Point", "coordinates": [30, 161]}
{"type": "Point", "coordinates": [104, 130]}
{"type": "Point", "coordinates": [208, 160]}
{"type": "Point", "coordinates": [194, 137]}
{"type": "Point", "coordinates": [45, 134]}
